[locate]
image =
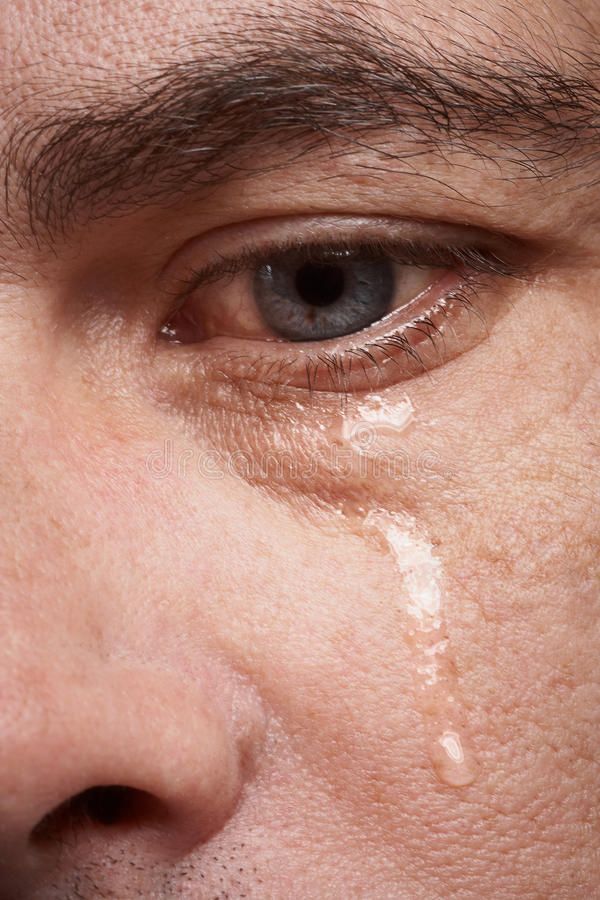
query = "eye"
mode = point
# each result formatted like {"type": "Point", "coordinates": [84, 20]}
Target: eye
{"type": "Point", "coordinates": [331, 294]}
{"type": "Point", "coordinates": [325, 296]}
{"type": "Point", "coordinates": [311, 294]}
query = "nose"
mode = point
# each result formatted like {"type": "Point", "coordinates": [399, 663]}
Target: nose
{"type": "Point", "coordinates": [111, 752]}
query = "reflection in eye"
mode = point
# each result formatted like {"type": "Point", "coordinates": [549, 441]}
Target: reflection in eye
{"type": "Point", "coordinates": [348, 306]}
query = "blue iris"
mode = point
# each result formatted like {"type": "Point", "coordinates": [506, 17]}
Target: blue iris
{"type": "Point", "coordinates": [324, 296]}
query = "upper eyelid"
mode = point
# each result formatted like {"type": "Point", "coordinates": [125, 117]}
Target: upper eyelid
{"type": "Point", "coordinates": [279, 232]}
{"type": "Point", "coordinates": [476, 258]}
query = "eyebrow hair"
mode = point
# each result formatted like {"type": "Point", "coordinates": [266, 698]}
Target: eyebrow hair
{"type": "Point", "coordinates": [280, 85]}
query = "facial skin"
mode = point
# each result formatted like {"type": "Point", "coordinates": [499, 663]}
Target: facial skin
{"type": "Point", "coordinates": [224, 637]}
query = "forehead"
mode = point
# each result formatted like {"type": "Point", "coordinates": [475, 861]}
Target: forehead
{"type": "Point", "coordinates": [92, 86]}
{"type": "Point", "coordinates": [71, 39]}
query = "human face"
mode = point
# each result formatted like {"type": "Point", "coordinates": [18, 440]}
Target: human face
{"type": "Point", "coordinates": [299, 383]}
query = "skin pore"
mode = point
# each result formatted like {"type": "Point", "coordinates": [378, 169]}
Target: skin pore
{"type": "Point", "coordinates": [258, 596]}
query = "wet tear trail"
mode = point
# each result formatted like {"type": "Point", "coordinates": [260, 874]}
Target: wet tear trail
{"type": "Point", "coordinates": [436, 682]}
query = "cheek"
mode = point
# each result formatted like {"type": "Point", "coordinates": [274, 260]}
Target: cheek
{"type": "Point", "coordinates": [314, 617]}
{"type": "Point", "coordinates": [205, 578]}
{"type": "Point", "coordinates": [174, 568]}
{"type": "Point", "coordinates": [130, 543]}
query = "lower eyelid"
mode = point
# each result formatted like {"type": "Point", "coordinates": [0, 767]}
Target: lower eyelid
{"type": "Point", "coordinates": [406, 352]}
{"type": "Point", "coordinates": [446, 320]}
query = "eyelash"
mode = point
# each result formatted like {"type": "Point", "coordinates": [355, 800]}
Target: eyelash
{"type": "Point", "coordinates": [338, 365]}
{"type": "Point", "coordinates": [421, 254]}
{"type": "Point", "coordinates": [477, 264]}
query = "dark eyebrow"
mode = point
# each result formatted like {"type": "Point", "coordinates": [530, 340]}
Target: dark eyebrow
{"type": "Point", "coordinates": [282, 85]}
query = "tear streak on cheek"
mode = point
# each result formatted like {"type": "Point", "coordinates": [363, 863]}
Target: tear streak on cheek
{"type": "Point", "coordinates": [436, 682]}
{"type": "Point", "coordinates": [375, 421]}
{"type": "Point", "coordinates": [420, 589]}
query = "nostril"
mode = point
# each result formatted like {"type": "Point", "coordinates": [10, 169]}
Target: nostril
{"type": "Point", "coordinates": [106, 805]}
{"type": "Point", "coordinates": [118, 805]}
{"type": "Point", "coordinates": [109, 805]}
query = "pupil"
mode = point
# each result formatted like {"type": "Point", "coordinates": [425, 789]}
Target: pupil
{"type": "Point", "coordinates": [320, 285]}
